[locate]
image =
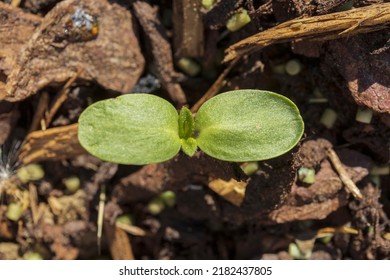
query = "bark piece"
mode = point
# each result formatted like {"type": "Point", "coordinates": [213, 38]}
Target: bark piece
{"type": "Point", "coordinates": [94, 36]}
{"type": "Point", "coordinates": [161, 50]}
{"type": "Point", "coordinates": [16, 28]}
{"type": "Point", "coordinates": [52, 144]}
{"type": "Point", "coordinates": [325, 27]}
{"type": "Point", "coordinates": [188, 28]}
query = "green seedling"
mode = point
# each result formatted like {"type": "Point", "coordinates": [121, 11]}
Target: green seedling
{"type": "Point", "coordinates": [237, 126]}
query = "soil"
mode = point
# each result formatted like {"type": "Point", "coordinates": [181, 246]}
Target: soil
{"type": "Point", "coordinates": [57, 57]}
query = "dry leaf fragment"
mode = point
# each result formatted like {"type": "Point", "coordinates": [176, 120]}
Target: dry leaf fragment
{"type": "Point", "coordinates": [130, 229]}
{"type": "Point", "coordinates": [118, 240]}
{"type": "Point", "coordinates": [94, 36]}
{"type": "Point", "coordinates": [232, 190]}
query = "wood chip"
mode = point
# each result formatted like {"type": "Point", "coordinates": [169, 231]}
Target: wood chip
{"type": "Point", "coordinates": [52, 144]}
{"type": "Point", "coordinates": [188, 28]}
{"type": "Point", "coordinates": [232, 190]}
{"type": "Point", "coordinates": [161, 50]}
{"type": "Point", "coordinates": [324, 27]}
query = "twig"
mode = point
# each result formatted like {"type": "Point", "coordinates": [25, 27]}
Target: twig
{"type": "Point", "coordinates": [100, 219]}
{"type": "Point", "coordinates": [342, 229]}
{"type": "Point", "coordinates": [33, 196]}
{"type": "Point", "coordinates": [349, 184]}
{"type": "Point", "coordinates": [52, 144]}
{"type": "Point", "coordinates": [61, 97]}
{"type": "Point", "coordinates": [40, 111]}
{"type": "Point", "coordinates": [216, 86]}
{"type": "Point", "coordinates": [324, 27]}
